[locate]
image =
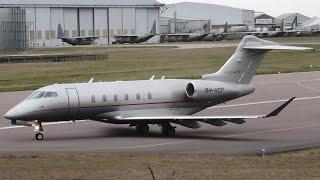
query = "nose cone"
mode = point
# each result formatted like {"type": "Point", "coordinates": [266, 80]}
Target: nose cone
{"type": "Point", "coordinates": [16, 113]}
{"type": "Point", "coordinates": [12, 114]}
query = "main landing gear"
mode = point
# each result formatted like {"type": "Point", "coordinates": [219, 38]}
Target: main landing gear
{"type": "Point", "coordinates": [38, 129]}
{"type": "Point", "coordinates": [142, 129]}
{"type": "Point", "coordinates": [167, 130]}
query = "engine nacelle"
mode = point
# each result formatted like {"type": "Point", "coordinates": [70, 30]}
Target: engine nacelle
{"type": "Point", "coordinates": [208, 90]}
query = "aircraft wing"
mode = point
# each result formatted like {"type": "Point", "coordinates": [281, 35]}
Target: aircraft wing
{"type": "Point", "coordinates": [125, 36]}
{"type": "Point", "coordinates": [87, 37]}
{"type": "Point", "coordinates": [234, 119]}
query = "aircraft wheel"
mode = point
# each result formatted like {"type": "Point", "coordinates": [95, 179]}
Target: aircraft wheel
{"type": "Point", "coordinates": [39, 136]}
{"type": "Point", "coordinates": [143, 129]}
{"type": "Point", "coordinates": [169, 132]}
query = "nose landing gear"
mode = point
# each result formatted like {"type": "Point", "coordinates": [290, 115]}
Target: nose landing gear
{"type": "Point", "coordinates": [38, 129]}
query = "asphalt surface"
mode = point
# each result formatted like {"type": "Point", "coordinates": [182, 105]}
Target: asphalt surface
{"type": "Point", "coordinates": [297, 127]}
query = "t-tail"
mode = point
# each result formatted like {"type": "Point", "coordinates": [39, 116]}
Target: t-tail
{"type": "Point", "coordinates": [243, 65]}
{"type": "Point", "coordinates": [60, 31]}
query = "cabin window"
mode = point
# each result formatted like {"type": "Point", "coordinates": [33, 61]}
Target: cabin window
{"type": "Point", "coordinates": [104, 98]}
{"type": "Point", "coordinates": [115, 97]}
{"type": "Point", "coordinates": [149, 95]}
{"type": "Point", "coordinates": [138, 96]}
{"type": "Point", "coordinates": [93, 98]}
{"type": "Point", "coordinates": [126, 97]}
{"type": "Point", "coordinates": [51, 94]}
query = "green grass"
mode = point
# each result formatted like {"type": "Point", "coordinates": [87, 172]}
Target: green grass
{"type": "Point", "coordinates": [293, 165]}
{"type": "Point", "coordinates": [142, 63]}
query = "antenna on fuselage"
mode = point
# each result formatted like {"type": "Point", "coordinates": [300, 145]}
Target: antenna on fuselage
{"type": "Point", "coordinates": [163, 78]}
{"type": "Point", "coordinates": [152, 78]}
{"type": "Point", "coordinates": [91, 80]}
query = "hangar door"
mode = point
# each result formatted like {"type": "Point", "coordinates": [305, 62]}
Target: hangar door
{"type": "Point", "coordinates": [56, 19]}
{"type": "Point", "coordinates": [129, 21]}
{"type": "Point", "coordinates": [70, 22]}
{"type": "Point", "coordinates": [101, 25]}
{"type": "Point", "coordinates": [86, 22]}
{"type": "Point", "coordinates": [142, 21]}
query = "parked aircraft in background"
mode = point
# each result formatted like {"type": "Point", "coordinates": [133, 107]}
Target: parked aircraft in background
{"type": "Point", "coordinates": [75, 41]}
{"type": "Point", "coordinates": [161, 102]}
{"type": "Point", "coordinates": [136, 39]}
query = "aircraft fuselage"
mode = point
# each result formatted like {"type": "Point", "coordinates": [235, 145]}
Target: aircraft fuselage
{"type": "Point", "coordinates": [106, 101]}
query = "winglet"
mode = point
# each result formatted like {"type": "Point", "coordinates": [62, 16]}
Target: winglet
{"type": "Point", "coordinates": [279, 109]}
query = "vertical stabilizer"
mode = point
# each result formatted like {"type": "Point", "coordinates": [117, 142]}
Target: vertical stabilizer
{"type": "Point", "coordinates": [295, 23]}
{"type": "Point", "coordinates": [60, 31]}
{"type": "Point", "coordinates": [243, 65]}
{"type": "Point", "coordinates": [226, 28]}
{"type": "Point", "coordinates": [154, 28]}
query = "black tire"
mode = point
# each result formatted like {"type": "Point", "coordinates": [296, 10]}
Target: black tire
{"type": "Point", "coordinates": [39, 136]}
{"type": "Point", "coordinates": [143, 129]}
{"type": "Point", "coordinates": [168, 132]}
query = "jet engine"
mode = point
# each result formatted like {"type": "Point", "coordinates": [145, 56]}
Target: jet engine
{"type": "Point", "coordinates": [208, 90]}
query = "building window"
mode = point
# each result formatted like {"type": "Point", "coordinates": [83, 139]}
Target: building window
{"type": "Point", "coordinates": [138, 96]}
{"type": "Point", "coordinates": [66, 33]}
{"type": "Point", "coordinates": [47, 33]}
{"type": "Point", "coordinates": [115, 97]}
{"type": "Point", "coordinates": [111, 32]}
{"type": "Point", "coordinates": [125, 32]}
{"type": "Point", "coordinates": [93, 98]}
{"type": "Point", "coordinates": [97, 32]}
{"type": "Point", "coordinates": [149, 95]}
{"type": "Point", "coordinates": [39, 35]}
{"type": "Point", "coordinates": [126, 97]}
{"type": "Point", "coordinates": [105, 33]}
{"type": "Point", "coordinates": [83, 32]}
{"type": "Point", "coordinates": [53, 34]}
{"type": "Point", "coordinates": [119, 32]}
{"type": "Point", "coordinates": [74, 33]}
{"type": "Point", "coordinates": [104, 98]}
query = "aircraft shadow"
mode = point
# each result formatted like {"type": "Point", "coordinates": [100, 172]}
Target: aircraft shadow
{"type": "Point", "coordinates": [131, 133]}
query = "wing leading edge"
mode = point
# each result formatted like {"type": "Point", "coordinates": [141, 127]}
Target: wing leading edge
{"type": "Point", "coordinates": [234, 119]}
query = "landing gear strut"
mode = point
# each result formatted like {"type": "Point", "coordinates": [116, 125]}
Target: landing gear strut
{"type": "Point", "coordinates": [167, 130]}
{"type": "Point", "coordinates": [38, 129]}
{"type": "Point", "coordinates": [143, 129]}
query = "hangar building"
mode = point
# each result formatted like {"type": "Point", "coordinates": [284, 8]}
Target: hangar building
{"type": "Point", "coordinates": [103, 18]}
{"type": "Point", "coordinates": [217, 15]}
{"type": "Point", "coordinates": [289, 17]}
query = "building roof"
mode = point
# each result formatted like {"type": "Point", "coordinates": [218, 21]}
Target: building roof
{"type": "Point", "coordinates": [78, 3]}
{"type": "Point", "coordinates": [289, 15]}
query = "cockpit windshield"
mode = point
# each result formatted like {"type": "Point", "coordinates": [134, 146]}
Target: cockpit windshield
{"type": "Point", "coordinates": [37, 95]}
{"type": "Point", "coordinates": [41, 94]}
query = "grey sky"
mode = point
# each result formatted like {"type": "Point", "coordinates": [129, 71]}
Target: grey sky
{"type": "Point", "coordinates": [310, 8]}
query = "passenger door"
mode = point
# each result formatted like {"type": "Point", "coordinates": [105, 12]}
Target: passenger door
{"type": "Point", "coordinates": [73, 103]}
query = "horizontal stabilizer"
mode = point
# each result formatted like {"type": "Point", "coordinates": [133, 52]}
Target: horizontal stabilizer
{"type": "Point", "coordinates": [276, 47]}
